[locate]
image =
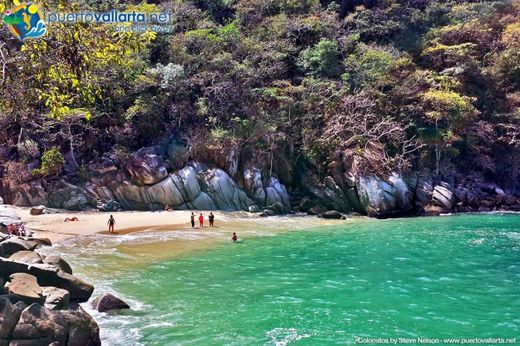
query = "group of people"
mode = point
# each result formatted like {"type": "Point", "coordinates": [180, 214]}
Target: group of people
{"type": "Point", "coordinates": [112, 222]}
{"type": "Point", "coordinates": [211, 219]}
{"type": "Point", "coordinates": [18, 230]}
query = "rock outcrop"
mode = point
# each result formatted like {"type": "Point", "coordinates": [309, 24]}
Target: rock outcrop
{"type": "Point", "coordinates": [384, 198]}
{"type": "Point", "coordinates": [38, 325]}
{"type": "Point", "coordinates": [265, 192]}
{"type": "Point", "coordinates": [79, 290]}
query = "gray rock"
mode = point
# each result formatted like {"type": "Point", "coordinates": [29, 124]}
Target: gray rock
{"type": "Point", "coordinates": [254, 209]}
{"type": "Point", "coordinates": [268, 212]}
{"type": "Point", "coordinates": [79, 290]}
{"type": "Point", "coordinates": [40, 241]}
{"type": "Point", "coordinates": [56, 298]}
{"type": "Point", "coordinates": [306, 204]}
{"type": "Point", "coordinates": [14, 244]}
{"type": "Point", "coordinates": [109, 206]}
{"type": "Point", "coordinates": [380, 198]}
{"type": "Point", "coordinates": [7, 216]}
{"type": "Point", "coordinates": [278, 208]}
{"type": "Point", "coordinates": [26, 287]}
{"type": "Point", "coordinates": [332, 214]}
{"type": "Point", "coordinates": [271, 192]}
{"type": "Point", "coordinates": [317, 210]}
{"type": "Point", "coordinates": [146, 169]}
{"type": "Point", "coordinates": [28, 257]}
{"type": "Point", "coordinates": [40, 326]}
{"type": "Point", "coordinates": [9, 316]}
{"type": "Point", "coordinates": [443, 197]}
{"type": "Point", "coordinates": [59, 263]}
{"type": "Point", "coordinates": [108, 302]}
{"type": "Point", "coordinates": [37, 210]}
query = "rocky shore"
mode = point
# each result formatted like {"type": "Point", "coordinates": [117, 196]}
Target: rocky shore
{"type": "Point", "coordinates": [40, 296]}
{"type": "Point", "coordinates": [165, 175]}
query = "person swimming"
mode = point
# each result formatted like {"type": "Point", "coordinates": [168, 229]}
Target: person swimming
{"type": "Point", "coordinates": [235, 238]}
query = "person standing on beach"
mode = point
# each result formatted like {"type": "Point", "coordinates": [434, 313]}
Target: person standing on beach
{"type": "Point", "coordinates": [111, 224]}
{"type": "Point", "coordinates": [192, 220]}
{"type": "Point", "coordinates": [211, 219]}
{"type": "Point", "coordinates": [201, 220]}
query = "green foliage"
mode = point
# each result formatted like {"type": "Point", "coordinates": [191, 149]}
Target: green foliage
{"type": "Point", "coordinates": [368, 65]}
{"type": "Point", "coordinates": [321, 60]}
{"type": "Point", "coordinates": [52, 163]}
{"type": "Point", "coordinates": [266, 76]}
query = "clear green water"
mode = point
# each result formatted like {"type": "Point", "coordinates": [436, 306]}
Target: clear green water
{"type": "Point", "coordinates": [454, 276]}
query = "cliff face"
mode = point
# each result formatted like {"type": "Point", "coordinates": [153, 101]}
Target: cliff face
{"type": "Point", "coordinates": [148, 180]}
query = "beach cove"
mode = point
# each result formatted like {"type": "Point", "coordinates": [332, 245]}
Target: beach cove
{"type": "Point", "coordinates": [301, 280]}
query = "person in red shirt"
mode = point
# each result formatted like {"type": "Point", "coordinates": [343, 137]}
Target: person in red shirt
{"type": "Point", "coordinates": [201, 220]}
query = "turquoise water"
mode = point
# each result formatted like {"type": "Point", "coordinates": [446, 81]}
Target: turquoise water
{"type": "Point", "coordinates": [444, 277]}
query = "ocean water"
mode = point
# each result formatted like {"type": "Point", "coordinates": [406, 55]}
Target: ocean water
{"type": "Point", "coordinates": [444, 277]}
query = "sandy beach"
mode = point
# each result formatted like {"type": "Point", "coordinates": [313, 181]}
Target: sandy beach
{"type": "Point", "coordinates": [52, 226]}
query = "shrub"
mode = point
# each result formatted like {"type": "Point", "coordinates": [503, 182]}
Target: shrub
{"type": "Point", "coordinates": [52, 163]}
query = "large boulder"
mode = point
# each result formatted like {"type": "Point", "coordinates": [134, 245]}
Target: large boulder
{"type": "Point", "coordinates": [29, 257]}
{"type": "Point", "coordinates": [224, 192]}
{"type": "Point", "coordinates": [146, 168]}
{"type": "Point", "coordinates": [40, 326]}
{"type": "Point", "coordinates": [268, 193]}
{"type": "Point", "coordinates": [64, 195]}
{"type": "Point", "coordinates": [37, 210]}
{"type": "Point", "coordinates": [444, 197]}
{"type": "Point", "coordinates": [14, 245]}
{"type": "Point", "coordinates": [26, 287]}
{"type": "Point", "coordinates": [108, 302]}
{"type": "Point", "coordinates": [383, 198]}
{"type": "Point", "coordinates": [58, 263]}
{"type": "Point", "coordinates": [79, 290]}
{"type": "Point", "coordinates": [7, 216]}
{"type": "Point", "coordinates": [9, 315]}
{"type": "Point", "coordinates": [56, 298]}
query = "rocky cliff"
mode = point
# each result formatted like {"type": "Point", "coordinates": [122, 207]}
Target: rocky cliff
{"type": "Point", "coordinates": [155, 177]}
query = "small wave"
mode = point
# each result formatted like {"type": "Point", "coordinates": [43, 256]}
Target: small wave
{"type": "Point", "coordinates": [284, 336]}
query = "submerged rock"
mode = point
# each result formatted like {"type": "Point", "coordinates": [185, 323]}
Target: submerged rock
{"type": "Point", "coordinates": [108, 302]}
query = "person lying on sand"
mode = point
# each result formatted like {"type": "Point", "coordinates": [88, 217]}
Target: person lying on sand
{"type": "Point", "coordinates": [71, 219]}
{"type": "Point", "coordinates": [168, 208]}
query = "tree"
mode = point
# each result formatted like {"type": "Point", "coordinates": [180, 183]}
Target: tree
{"type": "Point", "coordinates": [322, 60]}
